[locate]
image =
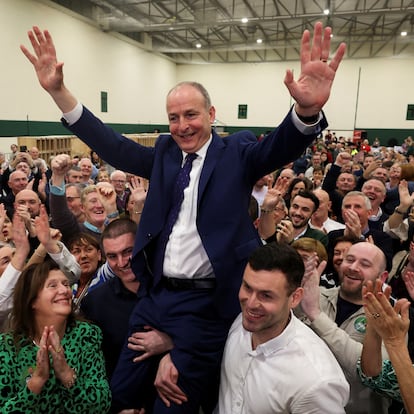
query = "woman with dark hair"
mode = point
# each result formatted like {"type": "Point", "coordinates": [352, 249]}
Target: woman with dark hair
{"type": "Point", "coordinates": [50, 362]}
{"type": "Point", "coordinates": [135, 199]}
{"type": "Point", "coordinates": [96, 161]}
{"type": "Point", "coordinates": [87, 252]}
{"type": "Point", "coordinates": [295, 186]}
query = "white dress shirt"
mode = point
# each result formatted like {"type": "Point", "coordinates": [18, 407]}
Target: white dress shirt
{"type": "Point", "coordinates": [185, 256]}
{"type": "Point", "coordinates": [292, 373]}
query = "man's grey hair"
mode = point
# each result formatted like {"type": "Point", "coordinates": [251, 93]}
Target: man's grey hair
{"type": "Point", "coordinates": [197, 86]}
{"type": "Point", "coordinates": [360, 194]}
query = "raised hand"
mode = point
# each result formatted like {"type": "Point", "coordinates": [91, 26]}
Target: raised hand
{"type": "Point", "coordinates": [61, 164]}
{"type": "Point", "coordinates": [107, 195]}
{"type": "Point", "coordinates": [48, 70]}
{"type": "Point", "coordinates": [138, 193]}
{"type": "Point", "coordinates": [391, 323]}
{"type": "Point", "coordinates": [310, 283]}
{"type": "Point", "coordinates": [313, 87]}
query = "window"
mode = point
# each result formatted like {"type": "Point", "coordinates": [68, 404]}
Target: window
{"type": "Point", "coordinates": [104, 101]}
{"type": "Point", "coordinates": [242, 112]}
{"type": "Point", "coordinates": [410, 112]}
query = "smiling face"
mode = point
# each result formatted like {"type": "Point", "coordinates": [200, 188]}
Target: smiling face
{"type": "Point", "coordinates": [189, 118]}
{"type": "Point", "coordinates": [358, 204]}
{"type": "Point", "coordinates": [266, 303]}
{"type": "Point", "coordinates": [55, 297]}
{"type": "Point", "coordinates": [118, 252]}
{"type": "Point", "coordinates": [339, 252]}
{"type": "Point", "coordinates": [300, 211]}
{"type": "Point", "coordinates": [362, 262]}
{"type": "Point", "coordinates": [85, 166]}
{"type": "Point", "coordinates": [375, 190]}
{"type": "Point", "coordinates": [93, 209]}
{"type": "Point", "coordinates": [87, 255]}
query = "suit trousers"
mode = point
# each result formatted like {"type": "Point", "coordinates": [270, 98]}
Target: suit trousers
{"type": "Point", "coordinates": [189, 317]}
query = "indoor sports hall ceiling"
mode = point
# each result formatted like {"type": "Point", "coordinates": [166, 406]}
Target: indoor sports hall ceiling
{"type": "Point", "coordinates": [203, 31]}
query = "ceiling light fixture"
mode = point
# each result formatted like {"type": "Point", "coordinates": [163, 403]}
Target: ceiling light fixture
{"type": "Point", "coordinates": [404, 33]}
{"type": "Point", "coordinates": [244, 20]}
{"type": "Point", "coordinates": [326, 12]}
{"type": "Point", "coordinates": [198, 45]}
{"type": "Point", "coordinates": [259, 41]}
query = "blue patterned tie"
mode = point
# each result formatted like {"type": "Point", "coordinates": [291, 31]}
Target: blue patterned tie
{"type": "Point", "coordinates": [183, 179]}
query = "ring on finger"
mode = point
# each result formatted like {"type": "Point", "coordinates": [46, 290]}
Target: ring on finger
{"type": "Point", "coordinates": [375, 315]}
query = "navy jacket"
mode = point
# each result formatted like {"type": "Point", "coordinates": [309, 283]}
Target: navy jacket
{"type": "Point", "coordinates": [232, 165]}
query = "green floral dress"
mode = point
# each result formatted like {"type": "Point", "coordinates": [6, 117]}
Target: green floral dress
{"type": "Point", "coordinates": [90, 393]}
{"type": "Point", "coordinates": [385, 383]}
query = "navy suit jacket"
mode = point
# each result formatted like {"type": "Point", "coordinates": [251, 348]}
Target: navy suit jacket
{"type": "Point", "coordinates": [232, 165]}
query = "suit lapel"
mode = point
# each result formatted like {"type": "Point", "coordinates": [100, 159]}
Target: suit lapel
{"type": "Point", "coordinates": [212, 156]}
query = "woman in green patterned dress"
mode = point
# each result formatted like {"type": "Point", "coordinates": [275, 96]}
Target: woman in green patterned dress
{"type": "Point", "coordinates": [393, 378]}
{"type": "Point", "coordinates": [50, 362]}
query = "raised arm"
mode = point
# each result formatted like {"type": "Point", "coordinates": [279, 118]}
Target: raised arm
{"type": "Point", "coordinates": [313, 87]}
{"type": "Point", "coordinates": [391, 324]}
{"type": "Point", "coordinates": [48, 70]}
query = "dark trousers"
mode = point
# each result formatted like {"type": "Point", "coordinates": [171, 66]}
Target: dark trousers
{"type": "Point", "coordinates": [199, 336]}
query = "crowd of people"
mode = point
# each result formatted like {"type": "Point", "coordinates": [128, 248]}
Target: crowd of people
{"type": "Point", "coordinates": [206, 274]}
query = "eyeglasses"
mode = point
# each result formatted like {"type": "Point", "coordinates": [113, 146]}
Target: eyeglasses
{"type": "Point", "coordinates": [118, 181]}
{"type": "Point", "coordinates": [70, 199]}
{"type": "Point", "coordinates": [280, 209]}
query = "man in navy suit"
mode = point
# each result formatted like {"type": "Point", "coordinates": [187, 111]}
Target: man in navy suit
{"type": "Point", "coordinates": [192, 294]}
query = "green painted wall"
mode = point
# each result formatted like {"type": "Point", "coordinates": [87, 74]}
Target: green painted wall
{"type": "Point", "coordinates": [33, 128]}
{"type": "Point", "coordinates": [385, 135]}
{"type": "Point", "coordinates": [37, 128]}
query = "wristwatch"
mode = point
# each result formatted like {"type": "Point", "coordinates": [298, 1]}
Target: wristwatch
{"type": "Point", "coordinates": [398, 211]}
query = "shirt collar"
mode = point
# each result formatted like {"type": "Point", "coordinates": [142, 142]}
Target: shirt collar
{"type": "Point", "coordinates": [202, 151]}
{"type": "Point", "coordinates": [91, 227]}
{"type": "Point", "coordinates": [279, 342]}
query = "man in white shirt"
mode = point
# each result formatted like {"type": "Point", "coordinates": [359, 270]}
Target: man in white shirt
{"type": "Point", "coordinates": [272, 362]}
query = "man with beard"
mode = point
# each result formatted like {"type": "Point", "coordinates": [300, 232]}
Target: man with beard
{"type": "Point", "coordinates": [338, 317]}
{"type": "Point", "coordinates": [302, 206]}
